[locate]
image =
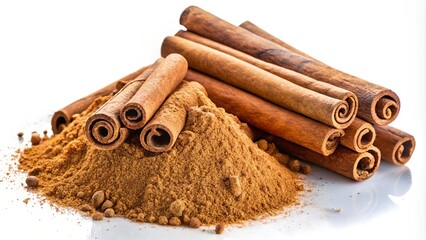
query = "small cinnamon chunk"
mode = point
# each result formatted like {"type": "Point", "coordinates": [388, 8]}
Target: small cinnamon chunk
{"type": "Point", "coordinates": [177, 207]}
{"type": "Point", "coordinates": [86, 208]}
{"type": "Point", "coordinates": [294, 165]}
{"type": "Point", "coordinates": [195, 222]}
{"type": "Point", "coordinates": [162, 220]}
{"type": "Point", "coordinates": [271, 149]}
{"type": "Point", "coordinates": [174, 221]}
{"type": "Point", "coordinates": [107, 204]}
{"type": "Point", "coordinates": [262, 144]}
{"type": "Point", "coordinates": [219, 228]}
{"type": "Point", "coordinates": [109, 212]}
{"type": "Point", "coordinates": [80, 194]}
{"type": "Point", "coordinates": [32, 181]}
{"type": "Point", "coordinates": [306, 169]}
{"type": "Point", "coordinates": [140, 217]}
{"type": "Point", "coordinates": [98, 198]}
{"type": "Point", "coordinates": [282, 158]}
{"type": "Point", "coordinates": [20, 134]}
{"type": "Point", "coordinates": [235, 185]}
{"type": "Point", "coordinates": [35, 138]}
{"type": "Point", "coordinates": [151, 218]}
{"type": "Point", "coordinates": [97, 216]}
{"type": "Point", "coordinates": [186, 219]}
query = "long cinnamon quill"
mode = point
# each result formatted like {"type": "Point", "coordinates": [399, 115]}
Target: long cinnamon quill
{"type": "Point", "coordinates": [376, 104]}
{"type": "Point", "coordinates": [397, 146]}
{"type": "Point", "coordinates": [62, 117]}
{"type": "Point", "coordinates": [269, 117]}
{"type": "Point", "coordinates": [161, 132]}
{"type": "Point", "coordinates": [103, 128]}
{"type": "Point", "coordinates": [357, 166]}
{"type": "Point", "coordinates": [349, 102]}
{"type": "Point", "coordinates": [257, 81]}
{"type": "Point", "coordinates": [140, 108]}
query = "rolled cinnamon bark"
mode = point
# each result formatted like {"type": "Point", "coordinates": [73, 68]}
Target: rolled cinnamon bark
{"type": "Point", "coordinates": [141, 107]}
{"type": "Point", "coordinates": [359, 136]}
{"type": "Point", "coordinates": [357, 166]}
{"type": "Point", "coordinates": [103, 128]}
{"type": "Point", "coordinates": [349, 101]}
{"type": "Point", "coordinates": [269, 117]}
{"type": "Point", "coordinates": [161, 132]}
{"type": "Point", "coordinates": [260, 32]}
{"type": "Point", "coordinates": [62, 118]}
{"type": "Point", "coordinates": [328, 110]}
{"type": "Point", "coordinates": [397, 146]}
{"type": "Point", "coordinates": [377, 104]}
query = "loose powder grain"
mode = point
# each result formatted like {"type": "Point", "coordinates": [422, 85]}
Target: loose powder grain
{"type": "Point", "coordinates": [192, 180]}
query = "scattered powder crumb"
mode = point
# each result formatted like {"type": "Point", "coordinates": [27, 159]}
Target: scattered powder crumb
{"type": "Point", "coordinates": [219, 229]}
{"type": "Point", "coordinates": [195, 222]}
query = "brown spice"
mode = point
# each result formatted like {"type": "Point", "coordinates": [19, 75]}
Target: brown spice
{"type": "Point", "coordinates": [262, 144]}
{"type": "Point", "coordinates": [140, 217]}
{"type": "Point", "coordinates": [80, 194]}
{"type": "Point", "coordinates": [98, 198]}
{"type": "Point", "coordinates": [306, 169]}
{"type": "Point", "coordinates": [174, 221]}
{"type": "Point", "coordinates": [195, 222]}
{"type": "Point", "coordinates": [186, 219]}
{"type": "Point", "coordinates": [35, 138]}
{"type": "Point", "coordinates": [20, 134]}
{"type": "Point", "coordinates": [294, 165]}
{"type": "Point", "coordinates": [107, 204]}
{"type": "Point", "coordinates": [97, 216]}
{"type": "Point", "coordinates": [162, 220]}
{"type": "Point", "coordinates": [235, 185]}
{"type": "Point", "coordinates": [86, 208]}
{"type": "Point", "coordinates": [109, 212]}
{"type": "Point", "coordinates": [210, 148]}
{"type": "Point", "coordinates": [177, 207]}
{"type": "Point", "coordinates": [32, 181]}
{"type": "Point", "coordinates": [219, 228]}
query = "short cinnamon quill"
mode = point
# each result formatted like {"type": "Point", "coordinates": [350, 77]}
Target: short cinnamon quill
{"type": "Point", "coordinates": [161, 132]}
{"type": "Point", "coordinates": [397, 146]}
{"type": "Point", "coordinates": [359, 136]}
{"type": "Point", "coordinates": [377, 104]}
{"type": "Point", "coordinates": [140, 108]}
{"type": "Point", "coordinates": [62, 118]}
{"type": "Point", "coordinates": [103, 128]}
{"type": "Point", "coordinates": [269, 117]}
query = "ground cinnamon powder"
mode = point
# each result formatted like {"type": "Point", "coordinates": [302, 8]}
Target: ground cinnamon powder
{"type": "Point", "coordinates": [196, 179]}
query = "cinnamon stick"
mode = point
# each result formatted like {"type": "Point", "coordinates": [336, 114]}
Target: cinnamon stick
{"type": "Point", "coordinates": [161, 132]}
{"type": "Point", "coordinates": [260, 32]}
{"type": "Point", "coordinates": [359, 136]}
{"type": "Point", "coordinates": [357, 166]}
{"type": "Point", "coordinates": [269, 117]}
{"type": "Point", "coordinates": [63, 117]}
{"type": "Point", "coordinates": [141, 107]}
{"type": "Point", "coordinates": [103, 128]}
{"type": "Point", "coordinates": [397, 146]}
{"type": "Point", "coordinates": [349, 102]}
{"type": "Point", "coordinates": [377, 104]}
{"type": "Point", "coordinates": [264, 84]}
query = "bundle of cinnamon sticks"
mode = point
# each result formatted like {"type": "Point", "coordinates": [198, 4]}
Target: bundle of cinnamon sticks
{"type": "Point", "coordinates": [307, 108]}
{"type": "Point", "coordinates": [311, 110]}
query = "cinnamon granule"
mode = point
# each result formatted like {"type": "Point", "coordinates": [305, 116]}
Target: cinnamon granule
{"type": "Point", "coordinates": [189, 181]}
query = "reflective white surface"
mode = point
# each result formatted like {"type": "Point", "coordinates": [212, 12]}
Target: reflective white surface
{"type": "Point", "coordinates": [53, 52]}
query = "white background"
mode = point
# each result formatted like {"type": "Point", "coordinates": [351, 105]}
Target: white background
{"type": "Point", "coordinates": [53, 52]}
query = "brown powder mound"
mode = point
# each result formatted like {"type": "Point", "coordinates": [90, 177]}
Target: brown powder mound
{"type": "Point", "coordinates": [192, 179]}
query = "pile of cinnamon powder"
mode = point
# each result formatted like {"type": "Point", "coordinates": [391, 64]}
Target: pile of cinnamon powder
{"type": "Point", "coordinates": [214, 172]}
